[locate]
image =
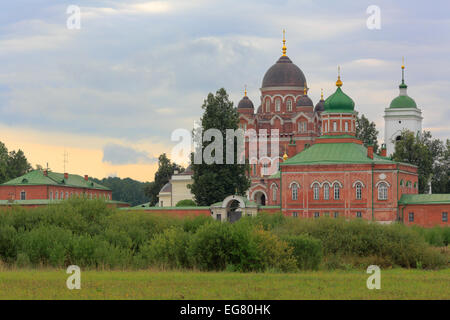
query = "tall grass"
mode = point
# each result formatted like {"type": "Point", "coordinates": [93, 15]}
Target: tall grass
{"type": "Point", "coordinates": [89, 234]}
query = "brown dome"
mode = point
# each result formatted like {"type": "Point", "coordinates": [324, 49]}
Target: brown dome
{"type": "Point", "coordinates": [284, 74]}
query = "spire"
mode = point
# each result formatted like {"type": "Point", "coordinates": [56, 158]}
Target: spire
{"type": "Point", "coordinates": [284, 43]}
{"type": "Point", "coordinates": [305, 90]}
{"type": "Point", "coordinates": [403, 84]}
{"type": "Point", "coordinates": [339, 82]}
{"type": "Point", "coordinates": [245, 90]}
{"type": "Point", "coordinates": [321, 93]}
{"type": "Point", "coordinates": [285, 156]}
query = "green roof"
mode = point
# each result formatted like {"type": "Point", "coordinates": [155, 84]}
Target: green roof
{"type": "Point", "coordinates": [403, 102]}
{"type": "Point", "coordinates": [425, 198]}
{"type": "Point", "coordinates": [335, 153]}
{"type": "Point", "coordinates": [339, 102]}
{"type": "Point", "coordinates": [276, 175]}
{"type": "Point", "coordinates": [37, 177]}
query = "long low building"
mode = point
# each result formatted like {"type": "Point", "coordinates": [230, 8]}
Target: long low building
{"type": "Point", "coordinates": [41, 187]}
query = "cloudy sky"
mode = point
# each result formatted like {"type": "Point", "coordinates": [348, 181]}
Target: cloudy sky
{"type": "Point", "coordinates": [112, 92]}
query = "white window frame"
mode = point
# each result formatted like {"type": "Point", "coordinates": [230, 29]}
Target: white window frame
{"type": "Point", "coordinates": [277, 105]}
{"type": "Point", "coordinates": [382, 191]}
{"type": "Point", "coordinates": [267, 105]}
{"type": "Point", "coordinates": [326, 192]}
{"type": "Point", "coordinates": [294, 193]}
{"type": "Point", "coordinates": [336, 191]}
{"type": "Point", "coordinates": [289, 105]}
{"type": "Point", "coordinates": [316, 191]}
{"type": "Point", "coordinates": [358, 191]}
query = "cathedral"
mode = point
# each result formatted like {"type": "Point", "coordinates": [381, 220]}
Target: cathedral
{"type": "Point", "coordinates": [319, 168]}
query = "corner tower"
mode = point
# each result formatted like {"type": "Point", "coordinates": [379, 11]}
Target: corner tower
{"type": "Point", "coordinates": [402, 114]}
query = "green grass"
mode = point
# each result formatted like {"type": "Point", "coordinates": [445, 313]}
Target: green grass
{"type": "Point", "coordinates": [395, 284]}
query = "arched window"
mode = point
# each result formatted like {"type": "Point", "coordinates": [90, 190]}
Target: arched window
{"type": "Point", "coordinates": [358, 191]}
{"type": "Point", "coordinates": [294, 191]}
{"type": "Point", "coordinates": [305, 126]}
{"type": "Point", "coordinates": [56, 195]}
{"type": "Point", "coordinates": [274, 194]}
{"type": "Point", "coordinates": [346, 126]}
{"type": "Point", "coordinates": [337, 191]}
{"type": "Point", "coordinates": [268, 105]}
{"type": "Point", "coordinates": [316, 191]}
{"type": "Point", "coordinates": [382, 191]}
{"type": "Point", "coordinates": [326, 191]}
{"type": "Point", "coordinates": [334, 126]}
{"type": "Point", "coordinates": [277, 104]}
{"type": "Point", "coordinates": [289, 105]}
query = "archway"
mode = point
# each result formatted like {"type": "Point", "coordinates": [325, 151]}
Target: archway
{"type": "Point", "coordinates": [234, 212]}
{"type": "Point", "coordinates": [260, 198]}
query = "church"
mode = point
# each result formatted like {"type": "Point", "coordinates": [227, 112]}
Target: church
{"type": "Point", "coordinates": [325, 170]}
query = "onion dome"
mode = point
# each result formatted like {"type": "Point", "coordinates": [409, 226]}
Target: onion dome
{"type": "Point", "coordinates": [320, 106]}
{"type": "Point", "coordinates": [284, 73]}
{"type": "Point", "coordinates": [403, 100]}
{"type": "Point", "coordinates": [339, 102]}
{"type": "Point", "coordinates": [304, 100]}
{"type": "Point", "coordinates": [245, 102]}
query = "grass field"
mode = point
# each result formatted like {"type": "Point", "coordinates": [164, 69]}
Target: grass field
{"type": "Point", "coordinates": [395, 284]}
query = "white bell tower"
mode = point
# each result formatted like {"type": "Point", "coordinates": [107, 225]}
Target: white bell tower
{"type": "Point", "coordinates": [402, 114]}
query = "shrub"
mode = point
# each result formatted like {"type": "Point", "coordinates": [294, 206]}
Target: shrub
{"type": "Point", "coordinates": [306, 250]}
{"type": "Point", "coordinates": [186, 203]}
{"type": "Point", "coordinates": [167, 249]}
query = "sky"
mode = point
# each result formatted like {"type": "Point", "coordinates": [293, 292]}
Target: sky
{"type": "Point", "coordinates": [111, 93]}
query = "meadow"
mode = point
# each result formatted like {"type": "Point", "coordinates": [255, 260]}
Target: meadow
{"type": "Point", "coordinates": [152, 284]}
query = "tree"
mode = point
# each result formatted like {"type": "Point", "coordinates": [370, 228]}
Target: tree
{"type": "Point", "coordinates": [367, 132]}
{"type": "Point", "coordinates": [213, 182]}
{"type": "Point", "coordinates": [413, 149]}
{"type": "Point", "coordinates": [127, 189]}
{"type": "Point", "coordinates": [165, 171]}
{"type": "Point", "coordinates": [12, 164]}
{"type": "Point", "coordinates": [441, 162]}
{"type": "Point", "coordinates": [185, 203]}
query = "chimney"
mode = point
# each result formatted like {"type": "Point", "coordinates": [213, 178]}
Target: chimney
{"type": "Point", "coordinates": [370, 151]}
{"type": "Point", "coordinates": [86, 177]}
{"type": "Point", "coordinates": [66, 175]}
{"type": "Point", "coordinates": [46, 173]}
{"type": "Point", "coordinates": [383, 150]}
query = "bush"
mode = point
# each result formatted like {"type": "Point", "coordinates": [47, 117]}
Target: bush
{"type": "Point", "coordinates": [167, 249]}
{"type": "Point", "coordinates": [186, 203]}
{"type": "Point", "coordinates": [306, 250]}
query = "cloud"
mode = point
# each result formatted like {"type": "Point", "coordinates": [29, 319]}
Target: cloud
{"type": "Point", "coordinates": [116, 154]}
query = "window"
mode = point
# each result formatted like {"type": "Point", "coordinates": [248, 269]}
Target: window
{"type": "Point", "coordinates": [382, 191]}
{"type": "Point", "coordinates": [289, 105]}
{"type": "Point", "coordinates": [162, 204]}
{"type": "Point", "coordinates": [316, 191]}
{"type": "Point", "coordinates": [358, 191]}
{"type": "Point", "coordinates": [359, 214]}
{"type": "Point", "coordinates": [337, 191]}
{"type": "Point", "coordinates": [444, 217]}
{"type": "Point", "coordinates": [267, 105]}
{"type": "Point", "coordinates": [254, 169]}
{"type": "Point", "coordinates": [23, 195]}
{"type": "Point", "coordinates": [219, 217]}
{"type": "Point", "coordinates": [346, 126]}
{"type": "Point", "coordinates": [335, 126]}
{"type": "Point", "coordinates": [56, 195]}
{"type": "Point", "coordinates": [67, 195]}
{"type": "Point", "coordinates": [277, 105]}
{"type": "Point", "coordinates": [326, 127]}
{"type": "Point", "coordinates": [326, 192]}
{"type": "Point", "coordinates": [295, 214]}
{"type": "Point", "coordinates": [274, 194]}
{"type": "Point", "coordinates": [51, 195]}
{"type": "Point", "coordinates": [305, 126]}
{"type": "Point", "coordinates": [336, 214]}
{"type": "Point", "coordinates": [316, 214]}
{"type": "Point", "coordinates": [411, 217]}
{"type": "Point", "coordinates": [294, 191]}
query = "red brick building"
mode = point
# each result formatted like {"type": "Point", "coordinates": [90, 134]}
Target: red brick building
{"type": "Point", "coordinates": [43, 187]}
{"type": "Point", "coordinates": [326, 170]}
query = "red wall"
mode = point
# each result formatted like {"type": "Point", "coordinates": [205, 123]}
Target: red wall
{"type": "Point", "coordinates": [43, 192]}
{"type": "Point", "coordinates": [425, 215]}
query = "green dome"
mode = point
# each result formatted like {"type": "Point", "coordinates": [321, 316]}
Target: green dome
{"type": "Point", "coordinates": [403, 102]}
{"type": "Point", "coordinates": [339, 102]}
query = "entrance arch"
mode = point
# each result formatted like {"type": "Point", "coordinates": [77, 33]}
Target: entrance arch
{"type": "Point", "coordinates": [260, 197]}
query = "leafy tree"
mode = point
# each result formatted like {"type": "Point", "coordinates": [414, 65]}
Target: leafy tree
{"type": "Point", "coordinates": [165, 171]}
{"type": "Point", "coordinates": [127, 189]}
{"type": "Point", "coordinates": [413, 149]}
{"type": "Point", "coordinates": [440, 154]}
{"type": "Point", "coordinates": [213, 182]}
{"type": "Point", "coordinates": [12, 164]}
{"type": "Point", "coordinates": [367, 132]}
